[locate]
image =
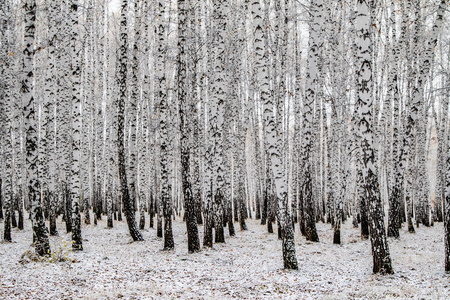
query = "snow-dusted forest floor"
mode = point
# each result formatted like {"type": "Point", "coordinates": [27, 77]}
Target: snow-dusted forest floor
{"type": "Point", "coordinates": [248, 265]}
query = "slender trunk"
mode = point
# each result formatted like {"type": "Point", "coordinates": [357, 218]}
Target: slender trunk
{"type": "Point", "coordinates": [185, 130]}
{"type": "Point", "coordinates": [75, 188]}
{"type": "Point", "coordinates": [312, 78]}
{"type": "Point", "coordinates": [141, 211]}
{"type": "Point", "coordinates": [447, 211]}
{"type": "Point", "coordinates": [395, 191]}
{"type": "Point", "coordinates": [7, 105]}
{"type": "Point", "coordinates": [151, 210]}
{"type": "Point", "coordinates": [122, 83]}
{"type": "Point", "coordinates": [164, 121]}
{"type": "Point", "coordinates": [6, 188]}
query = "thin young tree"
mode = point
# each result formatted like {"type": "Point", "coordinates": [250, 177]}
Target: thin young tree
{"type": "Point", "coordinates": [63, 123]}
{"type": "Point", "coordinates": [132, 109]}
{"type": "Point", "coordinates": [6, 104]}
{"type": "Point", "coordinates": [75, 188]}
{"type": "Point", "coordinates": [395, 192]}
{"type": "Point", "coordinates": [164, 121]}
{"type": "Point", "coordinates": [447, 211]}
{"type": "Point", "coordinates": [49, 94]}
{"type": "Point", "coordinates": [196, 151]}
{"type": "Point", "coordinates": [6, 189]}
{"type": "Point", "coordinates": [441, 153]}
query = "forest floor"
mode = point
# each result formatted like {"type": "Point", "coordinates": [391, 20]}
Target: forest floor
{"type": "Point", "coordinates": [248, 265]}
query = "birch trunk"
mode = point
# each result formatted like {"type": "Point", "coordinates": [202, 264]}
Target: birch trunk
{"type": "Point", "coordinates": [380, 249]}
{"type": "Point", "coordinates": [273, 141]}
{"type": "Point", "coordinates": [185, 129]}
{"type": "Point", "coordinates": [122, 83]}
{"type": "Point", "coordinates": [396, 185]}
{"type": "Point", "coordinates": [218, 84]}
{"type": "Point", "coordinates": [307, 134]}
{"type": "Point", "coordinates": [447, 211]}
{"type": "Point", "coordinates": [75, 188]}
{"type": "Point", "coordinates": [42, 245]}
{"type": "Point", "coordinates": [6, 193]}
{"type": "Point", "coordinates": [164, 122]}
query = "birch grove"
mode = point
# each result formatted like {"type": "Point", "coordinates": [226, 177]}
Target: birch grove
{"type": "Point", "coordinates": [292, 113]}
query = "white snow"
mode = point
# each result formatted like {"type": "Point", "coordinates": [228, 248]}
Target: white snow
{"type": "Point", "coordinates": [246, 266]}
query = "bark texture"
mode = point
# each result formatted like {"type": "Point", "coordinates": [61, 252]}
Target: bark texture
{"type": "Point", "coordinates": [41, 242]}
{"type": "Point", "coordinates": [128, 206]}
{"type": "Point", "coordinates": [380, 249]}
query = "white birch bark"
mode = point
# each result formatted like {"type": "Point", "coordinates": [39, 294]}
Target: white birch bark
{"type": "Point", "coordinates": [42, 245]}
{"type": "Point", "coordinates": [164, 121]}
{"type": "Point", "coordinates": [274, 143]}
{"type": "Point", "coordinates": [312, 80]}
{"type": "Point", "coordinates": [132, 106]}
{"type": "Point", "coordinates": [442, 142]}
{"type": "Point", "coordinates": [7, 105]}
{"type": "Point", "coordinates": [447, 210]}
{"type": "Point", "coordinates": [63, 111]}
{"type": "Point", "coordinates": [396, 184]}
{"type": "Point", "coordinates": [50, 102]}
{"type": "Point", "coordinates": [217, 90]}
{"type": "Point", "coordinates": [122, 83]}
{"type": "Point", "coordinates": [364, 120]}
{"type": "Point", "coordinates": [185, 100]}
{"type": "Point", "coordinates": [75, 184]}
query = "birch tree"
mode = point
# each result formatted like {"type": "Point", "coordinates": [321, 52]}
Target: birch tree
{"type": "Point", "coordinates": [164, 121]}
{"type": "Point", "coordinates": [426, 65]}
{"type": "Point", "coordinates": [380, 249]}
{"type": "Point", "coordinates": [274, 142]}
{"type": "Point", "coordinates": [441, 153]}
{"type": "Point", "coordinates": [447, 210]}
{"type": "Point", "coordinates": [185, 129]}
{"type": "Point", "coordinates": [396, 185]}
{"type": "Point", "coordinates": [42, 245]}
{"type": "Point", "coordinates": [6, 191]}
{"type": "Point", "coordinates": [75, 188]}
{"type": "Point", "coordinates": [132, 108]}
{"type": "Point", "coordinates": [122, 83]}
{"type": "Point", "coordinates": [6, 183]}
{"type": "Point", "coordinates": [217, 90]}
{"type": "Point", "coordinates": [307, 135]}
{"type": "Point", "coordinates": [7, 106]}
{"type": "Point", "coordinates": [50, 102]}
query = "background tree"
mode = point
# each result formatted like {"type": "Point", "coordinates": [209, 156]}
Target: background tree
{"type": "Point", "coordinates": [307, 135]}
{"type": "Point", "coordinates": [75, 188]}
{"type": "Point", "coordinates": [447, 212]}
{"type": "Point", "coordinates": [163, 111]}
{"type": "Point", "coordinates": [6, 97]}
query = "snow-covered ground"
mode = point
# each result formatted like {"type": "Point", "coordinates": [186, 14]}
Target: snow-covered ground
{"type": "Point", "coordinates": [248, 265]}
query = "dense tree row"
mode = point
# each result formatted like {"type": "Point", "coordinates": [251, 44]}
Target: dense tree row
{"type": "Point", "coordinates": [217, 111]}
